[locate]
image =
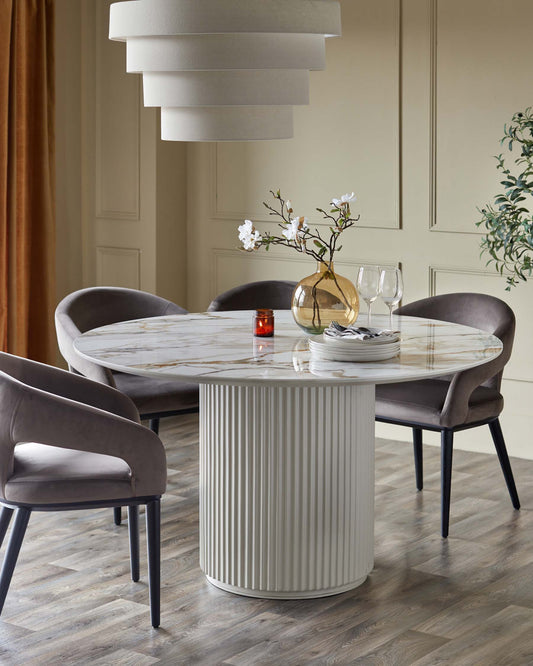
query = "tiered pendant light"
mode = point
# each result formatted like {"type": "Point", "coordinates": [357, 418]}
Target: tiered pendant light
{"type": "Point", "coordinates": [225, 70]}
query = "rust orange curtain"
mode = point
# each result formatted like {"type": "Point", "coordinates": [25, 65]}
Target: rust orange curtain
{"type": "Point", "coordinates": [27, 178]}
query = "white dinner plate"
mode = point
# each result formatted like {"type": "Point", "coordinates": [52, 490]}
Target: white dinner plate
{"type": "Point", "coordinates": [322, 350]}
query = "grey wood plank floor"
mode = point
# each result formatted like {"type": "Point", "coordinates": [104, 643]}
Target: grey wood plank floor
{"type": "Point", "coordinates": [467, 600]}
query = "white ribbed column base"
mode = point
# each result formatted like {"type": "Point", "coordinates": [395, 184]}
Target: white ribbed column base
{"type": "Point", "coordinates": [286, 489]}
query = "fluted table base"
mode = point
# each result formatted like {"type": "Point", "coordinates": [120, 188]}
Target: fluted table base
{"type": "Point", "coordinates": [286, 489]}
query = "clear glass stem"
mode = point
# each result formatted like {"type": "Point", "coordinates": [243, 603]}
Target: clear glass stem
{"type": "Point", "coordinates": [369, 313]}
{"type": "Point", "coordinates": [390, 316]}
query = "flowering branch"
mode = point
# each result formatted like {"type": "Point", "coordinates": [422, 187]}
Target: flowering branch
{"type": "Point", "coordinates": [295, 231]}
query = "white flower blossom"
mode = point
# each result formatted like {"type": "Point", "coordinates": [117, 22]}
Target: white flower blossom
{"type": "Point", "coordinates": [245, 229]}
{"type": "Point", "coordinates": [291, 230]}
{"type": "Point", "coordinates": [288, 203]}
{"type": "Point", "coordinates": [249, 236]}
{"type": "Point", "coordinates": [294, 230]}
{"type": "Point", "coordinates": [345, 199]}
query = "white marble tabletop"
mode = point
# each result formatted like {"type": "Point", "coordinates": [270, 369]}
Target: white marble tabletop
{"type": "Point", "coordinates": [219, 348]}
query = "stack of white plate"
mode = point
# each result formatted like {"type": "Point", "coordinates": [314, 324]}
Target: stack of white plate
{"type": "Point", "coordinates": [353, 350]}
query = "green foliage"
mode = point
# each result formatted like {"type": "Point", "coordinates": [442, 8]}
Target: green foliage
{"type": "Point", "coordinates": [509, 219]}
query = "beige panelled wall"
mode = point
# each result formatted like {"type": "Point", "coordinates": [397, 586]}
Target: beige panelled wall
{"type": "Point", "coordinates": [408, 114]}
{"type": "Point", "coordinates": [133, 185]}
{"type": "Point", "coordinates": [121, 192]}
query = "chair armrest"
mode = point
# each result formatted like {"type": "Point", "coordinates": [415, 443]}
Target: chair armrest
{"type": "Point", "coordinates": [68, 385]}
{"type": "Point", "coordinates": [67, 332]}
{"type": "Point", "coordinates": [57, 421]}
{"type": "Point", "coordinates": [463, 384]}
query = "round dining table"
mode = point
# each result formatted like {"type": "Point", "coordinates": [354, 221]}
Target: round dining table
{"type": "Point", "coordinates": [286, 441]}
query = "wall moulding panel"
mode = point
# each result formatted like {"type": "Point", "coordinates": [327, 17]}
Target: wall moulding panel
{"type": "Point", "coordinates": [353, 122]}
{"type": "Point", "coordinates": [118, 267]}
{"type": "Point", "coordinates": [117, 123]}
{"type": "Point", "coordinates": [475, 88]}
{"type": "Point", "coordinates": [445, 280]}
{"type": "Point", "coordinates": [218, 170]}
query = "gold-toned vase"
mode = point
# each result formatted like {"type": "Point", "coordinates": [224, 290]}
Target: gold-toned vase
{"type": "Point", "coordinates": [324, 297]}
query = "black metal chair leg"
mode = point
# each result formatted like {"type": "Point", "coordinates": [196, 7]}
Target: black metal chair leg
{"type": "Point", "coordinates": [419, 460]}
{"type": "Point", "coordinates": [153, 538]}
{"type": "Point", "coordinates": [5, 518]}
{"type": "Point", "coordinates": [22, 517]}
{"type": "Point", "coordinates": [133, 529]}
{"type": "Point", "coordinates": [154, 426]}
{"type": "Point", "coordinates": [499, 443]}
{"type": "Point", "coordinates": [446, 478]}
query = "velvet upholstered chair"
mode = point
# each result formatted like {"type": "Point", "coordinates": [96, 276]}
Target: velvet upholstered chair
{"type": "Point", "coordinates": [271, 294]}
{"type": "Point", "coordinates": [468, 399]}
{"type": "Point", "coordinates": [97, 306]}
{"type": "Point", "coordinates": [69, 443]}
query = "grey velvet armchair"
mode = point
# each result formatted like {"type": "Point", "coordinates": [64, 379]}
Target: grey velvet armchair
{"type": "Point", "coordinates": [272, 294]}
{"type": "Point", "coordinates": [468, 399]}
{"type": "Point", "coordinates": [70, 443]}
{"type": "Point", "coordinates": [97, 306]}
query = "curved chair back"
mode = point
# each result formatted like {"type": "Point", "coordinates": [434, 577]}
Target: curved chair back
{"type": "Point", "coordinates": [272, 294]}
{"type": "Point", "coordinates": [97, 306]}
{"type": "Point", "coordinates": [481, 311]}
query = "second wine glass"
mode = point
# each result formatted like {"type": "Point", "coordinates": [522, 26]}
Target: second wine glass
{"type": "Point", "coordinates": [368, 287]}
{"type": "Point", "coordinates": [391, 288]}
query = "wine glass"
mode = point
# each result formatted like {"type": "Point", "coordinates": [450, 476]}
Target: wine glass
{"type": "Point", "coordinates": [391, 288]}
{"type": "Point", "coordinates": [368, 287]}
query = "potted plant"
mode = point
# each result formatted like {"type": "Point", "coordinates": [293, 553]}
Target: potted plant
{"type": "Point", "coordinates": [509, 220]}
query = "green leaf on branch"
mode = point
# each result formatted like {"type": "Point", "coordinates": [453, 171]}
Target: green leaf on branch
{"type": "Point", "coordinates": [509, 223]}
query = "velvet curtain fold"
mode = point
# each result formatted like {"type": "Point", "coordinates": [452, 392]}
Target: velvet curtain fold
{"type": "Point", "coordinates": [27, 178]}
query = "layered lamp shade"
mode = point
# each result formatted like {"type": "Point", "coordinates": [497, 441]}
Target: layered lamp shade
{"type": "Point", "coordinates": [225, 70]}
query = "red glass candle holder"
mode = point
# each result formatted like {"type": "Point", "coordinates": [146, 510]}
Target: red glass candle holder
{"type": "Point", "coordinates": [263, 323]}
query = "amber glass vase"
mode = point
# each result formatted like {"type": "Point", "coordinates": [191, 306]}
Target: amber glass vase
{"type": "Point", "coordinates": [324, 297]}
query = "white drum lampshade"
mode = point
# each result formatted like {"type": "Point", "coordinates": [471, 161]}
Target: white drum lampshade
{"type": "Point", "coordinates": [231, 87]}
{"type": "Point", "coordinates": [225, 70]}
{"type": "Point", "coordinates": [218, 52]}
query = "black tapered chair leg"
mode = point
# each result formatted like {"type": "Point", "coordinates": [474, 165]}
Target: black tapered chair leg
{"type": "Point", "coordinates": [133, 529]}
{"type": "Point", "coordinates": [419, 459]}
{"type": "Point", "coordinates": [446, 479]}
{"type": "Point", "coordinates": [117, 511]}
{"type": "Point", "coordinates": [5, 518]}
{"type": "Point", "coordinates": [22, 517]}
{"type": "Point", "coordinates": [501, 450]}
{"type": "Point", "coordinates": [153, 538]}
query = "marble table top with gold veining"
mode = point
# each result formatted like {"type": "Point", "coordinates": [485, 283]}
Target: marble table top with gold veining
{"type": "Point", "coordinates": [219, 348]}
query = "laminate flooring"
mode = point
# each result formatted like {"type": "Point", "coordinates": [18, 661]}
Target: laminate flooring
{"type": "Point", "coordinates": [467, 600]}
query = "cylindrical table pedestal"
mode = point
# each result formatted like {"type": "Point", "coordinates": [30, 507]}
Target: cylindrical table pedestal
{"type": "Point", "coordinates": [286, 488]}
